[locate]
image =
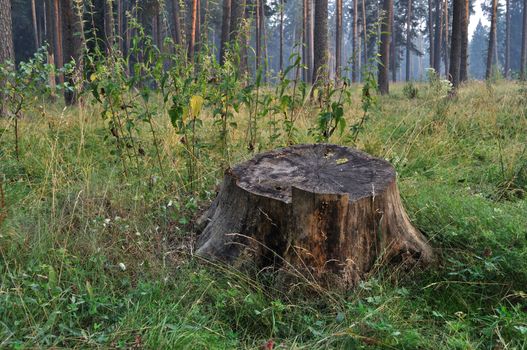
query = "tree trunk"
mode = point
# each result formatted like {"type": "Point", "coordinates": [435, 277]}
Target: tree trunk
{"type": "Point", "coordinates": [320, 62]}
{"type": "Point", "coordinates": [507, 38]}
{"type": "Point", "coordinates": [109, 23]}
{"type": "Point", "coordinates": [281, 48]}
{"type": "Point", "coordinates": [438, 38]}
{"type": "Point", "coordinates": [7, 51]}
{"type": "Point", "coordinates": [365, 31]}
{"type": "Point", "coordinates": [120, 33]}
{"type": "Point", "coordinates": [384, 59]}
{"type": "Point", "coordinates": [455, 50]}
{"type": "Point", "coordinates": [355, 38]}
{"type": "Point", "coordinates": [523, 61]}
{"type": "Point", "coordinates": [393, 57]}
{"type": "Point", "coordinates": [177, 23]}
{"type": "Point", "coordinates": [323, 210]}
{"type": "Point", "coordinates": [446, 36]}
{"type": "Point", "coordinates": [258, 36]}
{"type": "Point", "coordinates": [35, 26]}
{"type": "Point", "coordinates": [225, 29]}
{"type": "Point", "coordinates": [306, 40]}
{"type": "Point", "coordinates": [72, 45]}
{"type": "Point", "coordinates": [338, 39]}
{"type": "Point", "coordinates": [431, 34]}
{"type": "Point", "coordinates": [408, 40]}
{"type": "Point", "coordinates": [492, 40]}
{"type": "Point", "coordinates": [58, 39]}
{"type": "Point", "coordinates": [193, 26]}
{"type": "Point", "coordinates": [463, 66]}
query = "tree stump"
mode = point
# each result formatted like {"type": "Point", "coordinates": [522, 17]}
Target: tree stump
{"type": "Point", "coordinates": [321, 208]}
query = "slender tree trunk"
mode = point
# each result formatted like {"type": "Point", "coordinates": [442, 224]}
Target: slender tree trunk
{"type": "Point", "coordinates": [120, 33]}
{"type": "Point", "coordinates": [507, 38]}
{"type": "Point", "coordinates": [225, 29]}
{"type": "Point", "coordinates": [72, 45]}
{"type": "Point", "coordinates": [365, 31]}
{"type": "Point", "coordinates": [109, 25]}
{"type": "Point", "coordinates": [386, 30]}
{"type": "Point", "coordinates": [431, 34]}
{"type": "Point", "coordinates": [408, 39]}
{"type": "Point", "coordinates": [338, 39]}
{"type": "Point", "coordinates": [258, 36]}
{"type": "Point", "coordinates": [7, 52]}
{"type": "Point", "coordinates": [455, 51]}
{"type": "Point", "coordinates": [320, 64]}
{"type": "Point", "coordinates": [438, 38]}
{"type": "Point", "coordinates": [281, 49]}
{"type": "Point", "coordinates": [193, 25]}
{"type": "Point", "coordinates": [463, 66]}
{"type": "Point", "coordinates": [523, 60]}
{"type": "Point", "coordinates": [35, 26]}
{"type": "Point", "coordinates": [305, 40]}
{"type": "Point", "coordinates": [355, 38]}
{"type": "Point", "coordinates": [446, 37]}
{"type": "Point", "coordinates": [264, 35]}
{"type": "Point", "coordinates": [492, 40]}
{"type": "Point", "coordinates": [177, 23]}
{"type": "Point", "coordinates": [393, 57]}
{"type": "Point", "coordinates": [58, 39]}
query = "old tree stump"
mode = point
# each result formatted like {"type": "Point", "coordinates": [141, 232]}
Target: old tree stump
{"type": "Point", "coordinates": [322, 208]}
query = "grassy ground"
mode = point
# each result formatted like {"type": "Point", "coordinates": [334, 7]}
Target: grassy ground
{"type": "Point", "coordinates": [90, 258]}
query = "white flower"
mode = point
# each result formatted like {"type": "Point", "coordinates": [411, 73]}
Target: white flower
{"type": "Point", "coordinates": [122, 266]}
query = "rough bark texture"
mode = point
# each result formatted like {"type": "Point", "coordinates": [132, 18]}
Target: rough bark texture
{"type": "Point", "coordinates": [320, 59]}
{"type": "Point", "coordinates": [455, 50]}
{"type": "Point", "coordinates": [225, 29]}
{"type": "Point", "coordinates": [72, 45]}
{"type": "Point", "coordinates": [281, 48]}
{"type": "Point", "coordinates": [193, 26]}
{"type": "Point", "coordinates": [236, 36]}
{"type": "Point", "coordinates": [323, 209]}
{"type": "Point", "coordinates": [6, 32]}
{"type": "Point", "coordinates": [463, 65]}
{"type": "Point", "coordinates": [338, 39]}
{"type": "Point", "coordinates": [384, 50]}
{"type": "Point", "coordinates": [492, 39]}
{"type": "Point", "coordinates": [431, 52]}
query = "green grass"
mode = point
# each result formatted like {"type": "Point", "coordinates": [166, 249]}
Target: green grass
{"type": "Point", "coordinates": [89, 258]}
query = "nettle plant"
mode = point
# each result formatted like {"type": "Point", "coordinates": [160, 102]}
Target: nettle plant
{"type": "Point", "coordinates": [24, 86]}
{"type": "Point", "coordinates": [290, 95]}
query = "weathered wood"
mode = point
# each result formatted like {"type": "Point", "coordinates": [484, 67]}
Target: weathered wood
{"type": "Point", "coordinates": [321, 208]}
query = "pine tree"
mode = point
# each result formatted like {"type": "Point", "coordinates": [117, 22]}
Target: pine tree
{"type": "Point", "coordinates": [384, 49]}
{"type": "Point", "coordinates": [320, 64]}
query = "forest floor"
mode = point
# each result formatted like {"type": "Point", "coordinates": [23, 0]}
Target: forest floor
{"type": "Point", "coordinates": [92, 258]}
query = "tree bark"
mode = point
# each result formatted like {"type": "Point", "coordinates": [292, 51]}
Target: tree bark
{"type": "Point", "coordinates": [431, 36]}
{"type": "Point", "coordinates": [281, 48]}
{"type": "Point", "coordinates": [193, 26]}
{"type": "Point", "coordinates": [408, 40]}
{"type": "Point", "coordinates": [320, 59]}
{"type": "Point", "coordinates": [446, 36]}
{"type": "Point", "coordinates": [492, 40]}
{"type": "Point", "coordinates": [35, 25]}
{"type": "Point", "coordinates": [258, 36]}
{"type": "Point", "coordinates": [355, 39]}
{"type": "Point", "coordinates": [338, 39]}
{"type": "Point", "coordinates": [523, 60]}
{"type": "Point", "coordinates": [384, 49]}
{"type": "Point", "coordinates": [365, 31]}
{"type": "Point", "coordinates": [507, 39]}
{"type": "Point", "coordinates": [455, 51]}
{"type": "Point", "coordinates": [177, 23]}
{"type": "Point", "coordinates": [7, 51]}
{"type": "Point", "coordinates": [306, 40]}
{"type": "Point", "coordinates": [109, 25]}
{"type": "Point", "coordinates": [463, 66]}
{"type": "Point", "coordinates": [59, 57]}
{"type": "Point", "coordinates": [72, 46]}
{"type": "Point", "coordinates": [323, 210]}
{"type": "Point", "coordinates": [438, 38]}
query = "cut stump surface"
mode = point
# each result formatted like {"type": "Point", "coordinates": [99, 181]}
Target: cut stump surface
{"type": "Point", "coordinates": [322, 208]}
